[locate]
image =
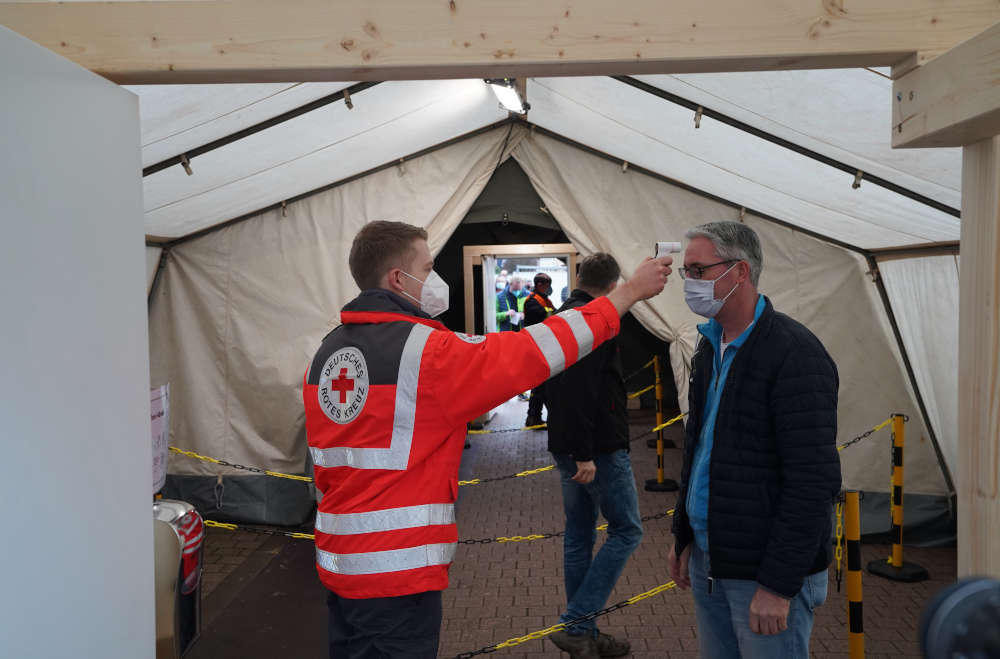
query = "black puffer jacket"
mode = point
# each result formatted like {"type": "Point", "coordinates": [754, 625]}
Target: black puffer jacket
{"type": "Point", "coordinates": [587, 402]}
{"type": "Point", "coordinates": [774, 469]}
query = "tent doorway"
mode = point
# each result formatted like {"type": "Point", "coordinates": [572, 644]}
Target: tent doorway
{"type": "Point", "coordinates": [558, 260]}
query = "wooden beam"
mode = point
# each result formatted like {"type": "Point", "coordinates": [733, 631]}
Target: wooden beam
{"type": "Point", "coordinates": [979, 362]}
{"type": "Point", "coordinates": [310, 40]}
{"type": "Point", "coordinates": [951, 100]}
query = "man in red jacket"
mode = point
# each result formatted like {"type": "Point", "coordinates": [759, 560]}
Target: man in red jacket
{"type": "Point", "coordinates": [387, 398]}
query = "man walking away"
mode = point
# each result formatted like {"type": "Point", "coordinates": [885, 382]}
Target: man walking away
{"type": "Point", "coordinates": [588, 437]}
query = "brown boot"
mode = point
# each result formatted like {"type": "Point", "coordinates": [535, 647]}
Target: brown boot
{"type": "Point", "coordinates": [579, 647]}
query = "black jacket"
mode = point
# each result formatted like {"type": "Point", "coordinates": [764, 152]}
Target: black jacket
{"type": "Point", "coordinates": [774, 469]}
{"type": "Point", "coordinates": [587, 402]}
{"type": "Point", "coordinates": [534, 311]}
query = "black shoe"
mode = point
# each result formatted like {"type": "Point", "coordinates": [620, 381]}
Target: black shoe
{"type": "Point", "coordinates": [609, 646]}
{"type": "Point", "coordinates": [579, 647]}
{"type": "Point", "coordinates": [533, 421]}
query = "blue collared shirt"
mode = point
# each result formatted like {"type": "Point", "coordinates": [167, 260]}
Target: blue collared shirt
{"type": "Point", "coordinates": [697, 494]}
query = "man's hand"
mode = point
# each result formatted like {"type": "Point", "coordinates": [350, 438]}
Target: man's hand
{"type": "Point", "coordinates": [679, 567]}
{"type": "Point", "coordinates": [768, 613]}
{"type": "Point", "coordinates": [585, 472]}
{"type": "Point", "coordinates": [647, 280]}
{"type": "Point", "coordinates": [511, 313]}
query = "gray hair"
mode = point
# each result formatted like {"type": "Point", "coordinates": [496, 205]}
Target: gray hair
{"type": "Point", "coordinates": [733, 240]}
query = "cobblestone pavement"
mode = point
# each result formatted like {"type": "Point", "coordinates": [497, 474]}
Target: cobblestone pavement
{"type": "Point", "coordinates": [499, 591]}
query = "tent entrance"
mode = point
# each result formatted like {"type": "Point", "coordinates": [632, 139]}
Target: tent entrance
{"type": "Point", "coordinates": [485, 257]}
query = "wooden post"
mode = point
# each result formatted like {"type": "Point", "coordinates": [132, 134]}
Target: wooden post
{"type": "Point", "coordinates": [979, 362]}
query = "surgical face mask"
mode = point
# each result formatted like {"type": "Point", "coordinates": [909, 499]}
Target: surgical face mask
{"type": "Point", "coordinates": [700, 295]}
{"type": "Point", "coordinates": [433, 296]}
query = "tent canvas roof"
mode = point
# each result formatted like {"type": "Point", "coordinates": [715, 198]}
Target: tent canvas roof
{"type": "Point", "coordinates": [836, 113]}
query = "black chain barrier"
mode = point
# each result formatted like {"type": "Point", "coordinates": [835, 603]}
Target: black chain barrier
{"type": "Point", "coordinates": [546, 536]}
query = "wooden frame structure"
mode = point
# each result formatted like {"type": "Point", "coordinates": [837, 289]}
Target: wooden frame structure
{"type": "Point", "coordinates": [473, 254]}
{"type": "Point", "coordinates": [310, 40]}
{"type": "Point", "coordinates": [949, 100]}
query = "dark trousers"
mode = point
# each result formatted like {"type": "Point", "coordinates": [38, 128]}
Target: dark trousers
{"type": "Point", "coordinates": [536, 401]}
{"type": "Point", "coordinates": [407, 627]}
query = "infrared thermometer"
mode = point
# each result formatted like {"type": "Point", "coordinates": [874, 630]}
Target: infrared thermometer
{"type": "Point", "coordinates": [664, 249]}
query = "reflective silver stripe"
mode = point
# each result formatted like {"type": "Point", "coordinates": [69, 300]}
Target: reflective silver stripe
{"type": "Point", "coordinates": [394, 560]}
{"type": "Point", "coordinates": [549, 345]}
{"type": "Point", "coordinates": [397, 456]}
{"type": "Point", "coordinates": [391, 519]}
{"type": "Point", "coordinates": [581, 332]}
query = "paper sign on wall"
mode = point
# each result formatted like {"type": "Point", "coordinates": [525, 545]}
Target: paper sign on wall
{"type": "Point", "coordinates": [159, 408]}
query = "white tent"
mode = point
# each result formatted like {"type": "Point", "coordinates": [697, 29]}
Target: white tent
{"type": "Point", "coordinates": [254, 270]}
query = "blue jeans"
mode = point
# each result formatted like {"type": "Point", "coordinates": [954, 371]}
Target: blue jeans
{"type": "Point", "coordinates": [590, 579]}
{"type": "Point", "coordinates": [724, 615]}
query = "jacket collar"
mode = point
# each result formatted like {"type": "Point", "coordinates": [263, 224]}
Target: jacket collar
{"type": "Point", "coordinates": [377, 305]}
{"type": "Point", "coordinates": [712, 330]}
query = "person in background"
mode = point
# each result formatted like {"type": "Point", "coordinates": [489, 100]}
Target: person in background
{"type": "Point", "coordinates": [537, 308]}
{"type": "Point", "coordinates": [510, 305]}
{"type": "Point", "coordinates": [387, 397]}
{"type": "Point", "coordinates": [761, 470]}
{"type": "Point", "coordinates": [588, 437]}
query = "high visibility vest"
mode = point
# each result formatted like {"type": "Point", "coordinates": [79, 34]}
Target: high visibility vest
{"type": "Point", "coordinates": [387, 399]}
{"type": "Point", "coordinates": [544, 301]}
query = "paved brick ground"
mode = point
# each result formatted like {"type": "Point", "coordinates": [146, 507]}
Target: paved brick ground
{"type": "Point", "coordinates": [500, 591]}
{"type": "Point", "coordinates": [224, 552]}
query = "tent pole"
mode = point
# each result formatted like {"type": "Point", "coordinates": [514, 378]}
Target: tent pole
{"type": "Point", "coordinates": [329, 186]}
{"type": "Point", "coordinates": [258, 127]}
{"type": "Point", "coordinates": [161, 266]}
{"type": "Point", "coordinates": [791, 146]}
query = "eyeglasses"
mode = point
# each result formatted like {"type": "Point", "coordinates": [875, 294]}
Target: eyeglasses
{"type": "Point", "coordinates": [698, 271]}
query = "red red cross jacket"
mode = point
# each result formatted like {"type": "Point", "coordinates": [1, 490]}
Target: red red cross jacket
{"type": "Point", "coordinates": [387, 398]}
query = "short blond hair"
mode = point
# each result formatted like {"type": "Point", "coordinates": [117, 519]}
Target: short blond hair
{"type": "Point", "coordinates": [379, 247]}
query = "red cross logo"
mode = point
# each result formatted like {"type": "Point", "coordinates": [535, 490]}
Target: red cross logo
{"type": "Point", "coordinates": [342, 384]}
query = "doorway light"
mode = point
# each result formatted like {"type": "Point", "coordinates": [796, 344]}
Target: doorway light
{"type": "Point", "coordinates": [506, 92]}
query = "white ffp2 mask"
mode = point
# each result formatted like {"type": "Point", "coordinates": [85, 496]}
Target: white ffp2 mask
{"type": "Point", "coordinates": [700, 295]}
{"type": "Point", "coordinates": [433, 296]}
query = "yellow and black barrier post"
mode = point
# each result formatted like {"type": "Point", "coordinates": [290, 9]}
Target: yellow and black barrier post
{"type": "Point", "coordinates": [659, 484]}
{"type": "Point", "coordinates": [652, 442]}
{"type": "Point", "coordinates": [896, 568]}
{"type": "Point", "coordinates": [855, 618]}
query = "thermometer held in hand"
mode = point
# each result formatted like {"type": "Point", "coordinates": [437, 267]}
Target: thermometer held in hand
{"type": "Point", "coordinates": [665, 248]}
